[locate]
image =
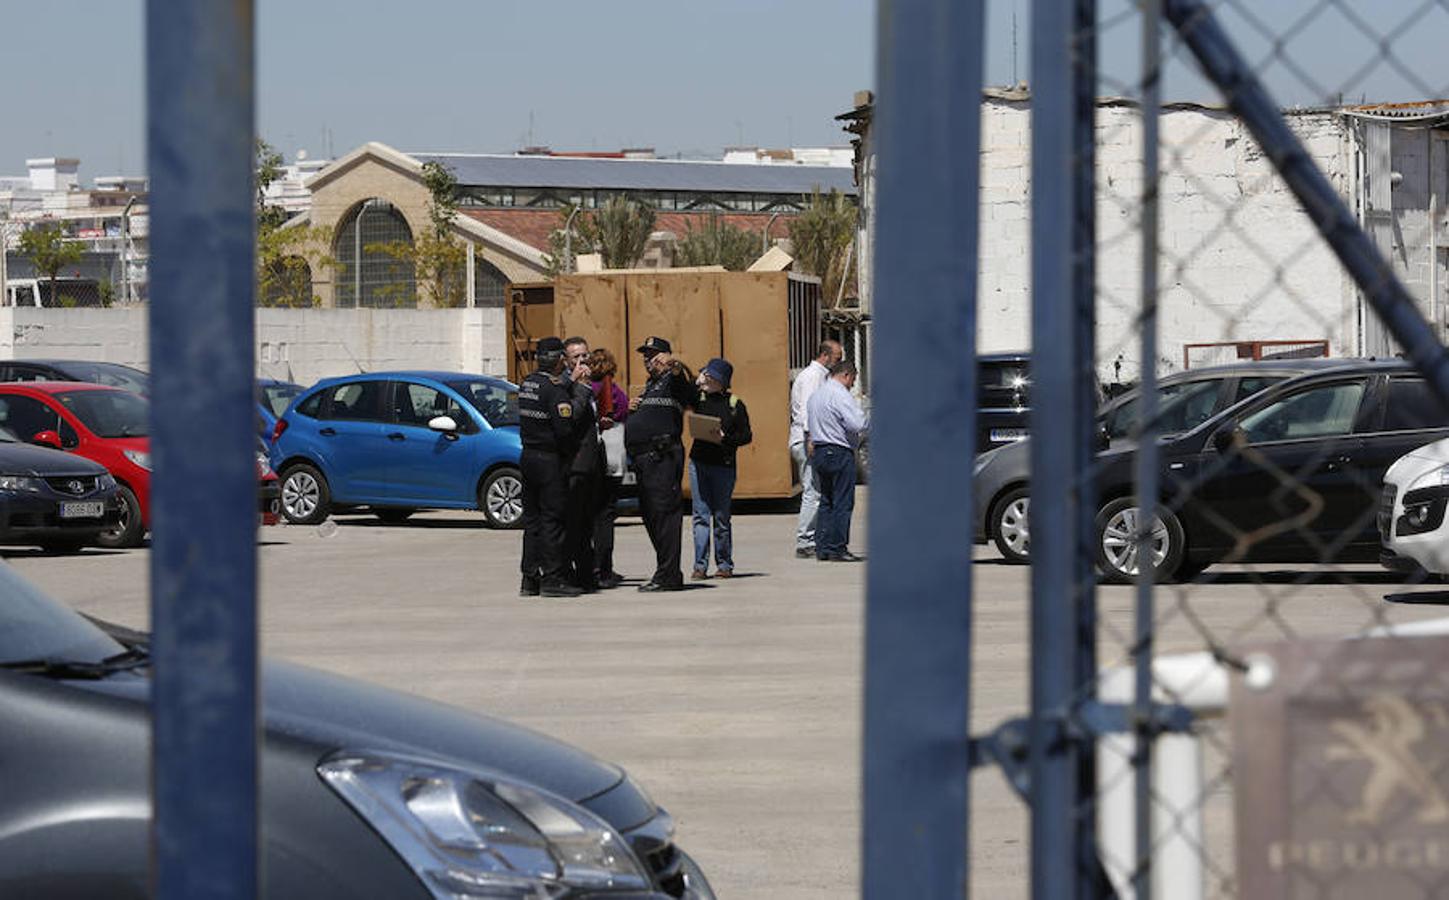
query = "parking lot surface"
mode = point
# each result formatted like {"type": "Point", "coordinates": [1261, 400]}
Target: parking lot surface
{"type": "Point", "coordinates": [736, 704]}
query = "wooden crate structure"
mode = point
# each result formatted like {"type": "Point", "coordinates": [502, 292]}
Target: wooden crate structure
{"type": "Point", "coordinates": [759, 321]}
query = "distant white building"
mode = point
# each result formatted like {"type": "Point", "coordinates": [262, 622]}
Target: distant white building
{"type": "Point", "coordinates": [289, 192]}
{"type": "Point", "coordinates": [110, 221]}
{"type": "Point", "coordinates": [840, 157]}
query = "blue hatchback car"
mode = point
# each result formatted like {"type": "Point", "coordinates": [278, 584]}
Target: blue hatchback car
{"type": "Point", "coordinates": [397, 442]}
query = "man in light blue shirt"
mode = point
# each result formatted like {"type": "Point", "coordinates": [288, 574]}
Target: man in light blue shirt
{"type": "Point", "coordinates": [836, 424]}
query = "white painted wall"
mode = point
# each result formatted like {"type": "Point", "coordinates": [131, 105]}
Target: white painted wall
{"type": "Point", "coordinates": [1241, 260]}
{"type": "Point", "coordinates": [300, 345]}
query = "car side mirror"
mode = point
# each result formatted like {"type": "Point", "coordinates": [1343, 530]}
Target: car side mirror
{"type": "Point", "coordinates": [445, 424]}
{"type": "Point", "coordinates": [46, 439]}
{"type": "Point", "coordinates": [1229, 437]}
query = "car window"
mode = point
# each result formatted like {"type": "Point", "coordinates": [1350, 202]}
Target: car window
{"type": "Point", "coordinates": [1181, 407]}
{"type": "Point", "coordinates": [359, 401]}
{"type": "Point", "coordinates": [31, 373]}
{"type": "Point", "coordinates": [25, 417]}
{"type": "Point", "coordinates": [1317, 412]}
{"type": "Point", "coordinates": [109, 414]}
{"type": "Point", "coordinates": [69, 438]}
{"type": "Point", "coordinates": [418, 404]}
{"type": "Point", "coordinates": [1249, 386]}
{"type": "Point", "coordinates": [277, 397]}
{"type": "Point", "coordinates": [1413, 407]}
{"type": "Point", "coordinates": [312, 406]}
{"type": "Point", "coordinates": [496, 400]}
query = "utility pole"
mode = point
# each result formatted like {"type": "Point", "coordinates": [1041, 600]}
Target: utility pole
{"type": "Point", "coordinates": [4, 251]}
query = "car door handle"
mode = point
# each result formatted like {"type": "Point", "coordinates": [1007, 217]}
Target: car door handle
{"type": "Point", "coordinates": [397, 436]}
{"type": "Point", "coordinates": [328, 432]}
{"type": "Point", "coordinates": [1336, 463]}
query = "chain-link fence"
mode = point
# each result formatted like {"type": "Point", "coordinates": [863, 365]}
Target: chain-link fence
{"type": "Point", "coordinates": [1269, 282]}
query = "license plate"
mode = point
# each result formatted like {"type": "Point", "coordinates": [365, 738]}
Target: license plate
{"type": "Point", "coordinates": [93, 510]}
{"type": "Point", "coordinates": [1008, 434]}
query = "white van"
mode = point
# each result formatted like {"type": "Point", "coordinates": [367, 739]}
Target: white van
{"type": "Point", "coordinates": [36, 292]}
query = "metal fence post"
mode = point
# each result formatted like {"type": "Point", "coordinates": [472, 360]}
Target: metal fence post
{"type": "Point", "coordinates": [918, 612]}
{"type": "Point", "coordinates": [200, 134]}
{"type": "Point", "coordinates": [1063, 614]}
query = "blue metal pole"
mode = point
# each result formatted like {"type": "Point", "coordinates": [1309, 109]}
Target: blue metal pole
{"type": "Point", "coordinates": [1146, 474]}
{"type": "Point", "coordinates": [200, 134]}
{"type": "Point", "coordinates": [918, 610]}
{"type": "Point", "coordinates": [1063, 660]}
{"type": "Point", "coordinates": [1250, 101]}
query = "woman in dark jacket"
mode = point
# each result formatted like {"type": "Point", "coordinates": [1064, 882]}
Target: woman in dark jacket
{"type": "Point", "coordinates": [712, 469]}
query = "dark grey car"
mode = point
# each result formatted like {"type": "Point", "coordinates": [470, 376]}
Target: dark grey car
{"type": "Point", "coordinates": [1186, 399]}
{"type": "Point", "coordinates": [55, 500]}
{"type": "Point", "coordinates": [366, 793]}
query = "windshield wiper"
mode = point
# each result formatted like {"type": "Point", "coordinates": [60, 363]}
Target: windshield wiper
{"type": "Point", "coordinates": [133, 658]}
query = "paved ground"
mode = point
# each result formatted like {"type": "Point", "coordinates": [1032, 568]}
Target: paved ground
{"type": "Point", "coordinates": [736, 704]}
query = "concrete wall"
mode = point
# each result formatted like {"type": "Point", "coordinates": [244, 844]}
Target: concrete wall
{"type": "Point", "coordinates": [1241, 261]}
{"type": "Point", "coordinates": [300, 345]}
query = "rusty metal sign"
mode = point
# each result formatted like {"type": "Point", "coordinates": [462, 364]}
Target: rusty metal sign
{"type": "Point", "coordinates": [1341, 769]}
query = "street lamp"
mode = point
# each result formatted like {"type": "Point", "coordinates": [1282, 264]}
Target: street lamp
{"type": "Point", "coordinates": [4, 250]}
{"type": "Point", "coordinates": [765, 238]}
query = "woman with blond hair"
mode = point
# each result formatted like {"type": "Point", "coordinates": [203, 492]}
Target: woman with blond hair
{"type": "Point", "coordinates": [613, 406]}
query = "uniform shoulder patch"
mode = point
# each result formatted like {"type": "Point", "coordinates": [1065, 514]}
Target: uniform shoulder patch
{"type": "Point", "coordinates": [566, 410]}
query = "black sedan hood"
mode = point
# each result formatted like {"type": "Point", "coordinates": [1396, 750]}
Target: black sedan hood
{"type": "Point", "coordinates": [336, 713]}
{"type": "Point", "coordinates": [43, 462]}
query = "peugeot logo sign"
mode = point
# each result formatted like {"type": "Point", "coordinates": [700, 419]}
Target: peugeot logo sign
{"type": "Point", "coordinates": [76, 486]}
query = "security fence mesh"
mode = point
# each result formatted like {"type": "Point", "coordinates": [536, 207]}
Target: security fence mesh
{"type": "Point", "coordinates": [1299, 723]}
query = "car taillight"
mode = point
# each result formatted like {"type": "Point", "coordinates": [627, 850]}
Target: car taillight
{"type": "Point", "coordinates": [277, 430]}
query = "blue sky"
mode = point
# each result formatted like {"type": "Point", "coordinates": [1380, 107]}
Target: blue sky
{"type": "Point", "coordinates": [683, 76]}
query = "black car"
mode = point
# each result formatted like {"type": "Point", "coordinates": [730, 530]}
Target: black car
{"type": "Point", "coordinates": [1003, 399]}
{"type": "Point", "coordinates": [365, 793]}
{"type": "Point", "coordinates": [1293, 474]}
{"type": "Point", "coordinates": [51, 499]}
{"type": "Point", "coordinates": [1185, 400]}
{"type": "Point", "coordinates": [107, 373]}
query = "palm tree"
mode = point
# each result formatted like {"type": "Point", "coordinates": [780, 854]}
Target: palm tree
{"type": "Point", "coordinates": [621, 231]}
{"type": "Point", "coordinates": [822, 236]}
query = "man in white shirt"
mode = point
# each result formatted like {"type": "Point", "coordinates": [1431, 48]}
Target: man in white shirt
{"type": "Point", "coordinates": [806, 384]}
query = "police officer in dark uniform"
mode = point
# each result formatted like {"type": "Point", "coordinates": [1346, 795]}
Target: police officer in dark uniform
{"type": "Point", "coordinates": [652, 436]}
{"type": "Point", "coordinates": [551, 423]}
{"type": "Point", "coordinates": [585, 471]}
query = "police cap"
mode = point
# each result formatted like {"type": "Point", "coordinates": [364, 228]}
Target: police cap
{"type": "Point", "coordinates": [655, 345]}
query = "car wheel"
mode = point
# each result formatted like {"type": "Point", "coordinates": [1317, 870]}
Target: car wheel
{"type": "Point", "coordinates": [501, 498]}
{"type": "Point", "coordinates": [1117, 526]}
{"type": "Point", "coordinates": [128, 531]}
{"type": "Point", "coordinates": [393, 516]}
{"type": "Point", "coordinates": [305, 497]}
{"type": "Point", "coordinates": [1009, 526]}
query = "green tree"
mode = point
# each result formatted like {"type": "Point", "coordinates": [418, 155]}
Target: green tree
{"type": "Point", "coordinates": [285, 254]}
{"type": "Point", "coordinates": [822, 235]}
{"type": "Point", "coordinates": [438, 258]}
{"type": "Point", "coordinates": [621, 229]}
{"type": "Point", "coordinates": [717, 243]}
{"type": "Point", "coordinates": [47, 248]}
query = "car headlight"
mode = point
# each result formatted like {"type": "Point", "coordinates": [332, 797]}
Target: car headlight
{"type": "Point", "coordinates": [105, 482]}
{"type": "Point", "coordinates": [18, 484]}
{"type": "Point", "coordinates": [471, 835]}
{"type": "Point", "coordinates": [1433, 478]}
{"type": "Point", "coordinates": [140, 458]}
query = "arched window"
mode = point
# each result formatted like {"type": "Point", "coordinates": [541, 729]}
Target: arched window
{"type": "Point", "coordinates": [374, 268]}
{"type": "Point", "coordinates": [489, 284]}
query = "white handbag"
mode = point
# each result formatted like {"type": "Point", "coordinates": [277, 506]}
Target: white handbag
{"type": "Point", "coordinates": [614, 455]}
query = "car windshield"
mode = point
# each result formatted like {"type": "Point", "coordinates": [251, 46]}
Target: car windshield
{"type": "Point", "coordinates": [33, 626]}
{"type": "Point", "coordinates": [278, 396]}
{"type": "Point", "coordinates": [1182, 407]}
{"type": "Point", "coordinates": [496, 400]}
{"type": "Point", "coordinates": [108, 414]}
{"type": "Point", "coordinates": [109, 374]}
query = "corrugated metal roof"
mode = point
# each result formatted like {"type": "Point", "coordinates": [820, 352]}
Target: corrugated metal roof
{"type": "Point", "coordinates": [639, 174]}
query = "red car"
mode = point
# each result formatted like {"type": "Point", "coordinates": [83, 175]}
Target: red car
{"type": "Point", "coordinates": [110, 427]}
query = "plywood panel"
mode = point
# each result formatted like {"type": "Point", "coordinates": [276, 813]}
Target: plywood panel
{"type": "Point", "coordinates": [755, 316]}
{"type": "Point", "coordinates": [592, 307]}
{"type": "Point", "coordinates": [530, 317]}
{"type": "Point", "coordinates": [681, 308]}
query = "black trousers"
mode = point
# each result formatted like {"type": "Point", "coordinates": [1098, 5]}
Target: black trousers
{"type": "Point", "coordinates": [545, 505]}
{"type": "Point", "coordinates": [660, 495]}
{"type": "Point", "coordinates": [605, 513]}
{"type": "Point", "coordinates": [583, 501]}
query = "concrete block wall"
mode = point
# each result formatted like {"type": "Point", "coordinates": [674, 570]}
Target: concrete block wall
{"type": "Point", "coordinates": [1243, 262]}
{"type": "Point", "coordinates": [300, 345]}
